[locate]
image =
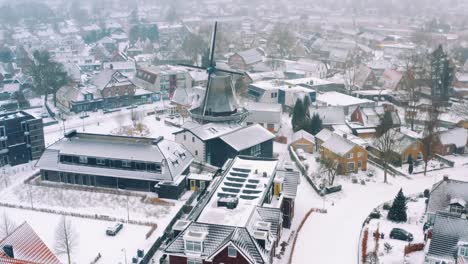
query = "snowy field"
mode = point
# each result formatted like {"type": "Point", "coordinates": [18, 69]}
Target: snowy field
{"type": "Point", "coordinates": [91, 235]}
{"type": "Point", "coordinates": [323, 234]}
{"type": "Point", "coordinates": [131, 238]}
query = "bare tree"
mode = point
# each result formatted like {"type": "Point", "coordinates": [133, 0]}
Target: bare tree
{"type": "Point", "coordinates": [283, 39]}
{"type": "Point", "coordinates": [413, 68]}
{"type": "Point", "coordinates": [330, 167]}
{"type": "Point", "coordinates": [6, 226]}
{"type": "Point", "coordinates": [120, 120]}
{"type": "Point", "coordinates": [385, 144]}
{"type": "Point", "coordinates": [66, 239]}
{"type": "Point", "coordinates": [431, 138]}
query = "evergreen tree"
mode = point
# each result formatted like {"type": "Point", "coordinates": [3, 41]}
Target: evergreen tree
{"type": "Point", "coordinates": [397, 212]}
{"type": "Point", "coordinates": [315, 124]}
{"type": "Point", "coordinates": [386, 123]}
{"type": "Point", "coordinates": [306, 106]}
{"type": "Point", "coordinates": [298, 118]}
{"type": "Point", "coordinates": [441, 74]}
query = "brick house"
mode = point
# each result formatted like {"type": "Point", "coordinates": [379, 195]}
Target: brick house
{"type": "Point", "coordinates": [453, 141]}
{"type": "Point", "coordinates": [407, 146]}
{"type": "Point", "coordinates": [351, 157]}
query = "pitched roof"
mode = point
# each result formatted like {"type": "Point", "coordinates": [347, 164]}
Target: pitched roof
{"type": "Point", "coordinates": [455, 136]}
{"type": "Point", "coordinates": [247, 137]}
{"type": "Point", "coordinates": [217, 237]}
{"type": "Point", "coordinates": [338, 145]}
{"type": "Point", "coordinates": [28, 247]}
{"type": "Point", "coordinates": [302, 134]}
{"type": "Point", "coordinates": [324, 134]}
{"type": "Point", "coordinates": [390, 79]}
{"type": "Point", "coordinates": [251, 56]}
{"type": "Point", "coordinates": [448, 231]}
{"type": "Point", "coordinates": [444, 191]}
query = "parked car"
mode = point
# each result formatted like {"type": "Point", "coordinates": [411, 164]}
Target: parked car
{"type": "Point", "coordinates": [114, 229]}
{"type": "Point", "coordinates": [375, 214]}
{"type": "Point", "coordinates": [401, 234]}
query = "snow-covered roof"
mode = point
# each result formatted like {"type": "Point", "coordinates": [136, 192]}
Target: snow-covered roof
{"type": "Point", "coordinates": [247, 180]}
{"type": "Point", "coordinates": [302, 134]}
{"type": "Point", "coordinates": [247, 137]}
{"type": "Point", "coordinates": [447, 232]}
{"type": "Point", "coordinates": [210, 130]}
{"type": "Point", "coordinates": [443, 192]}
{"type": "Point", "coordinates": [151, 150]}
{"type": "Point", "coordinates": [456, 136]}
{"type": "Point", "coordinates": [340, 99]}
{"type": "Point", "coordinates": [251, 56]}
{"type": "Point", "coordinates": [263, 113]}
{"type": "Point", "coordinates": [338, 145]}
{"type": "Point", "coordinates": [333, 115]}
{"type": "Point", "coordinates": [459, 201]}
{"type": "Point", "coordinates": [324, 134]}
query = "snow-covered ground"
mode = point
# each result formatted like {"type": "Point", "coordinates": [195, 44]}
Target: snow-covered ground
{"type": "Point", "coordinates": [91, 236]}
{"type": "Point", "coordinates": [323, 235]}
{"type": "Point", "coordinates": [414, 225]}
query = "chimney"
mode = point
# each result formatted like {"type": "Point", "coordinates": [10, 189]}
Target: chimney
{"type": "Point", "coordinates": [446, 177]}
{"type": "Point", "coordinates": [345, 136]}
{"type": "Point", "coordinates": [8, 249]}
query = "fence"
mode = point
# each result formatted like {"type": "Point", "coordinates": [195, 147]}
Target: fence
{"type": "Point", "coordinates": [303, 170]}
{"type": "Point", "coordinates": [413, 248]}
{"type": "Point", "coordinates": [150, 253]}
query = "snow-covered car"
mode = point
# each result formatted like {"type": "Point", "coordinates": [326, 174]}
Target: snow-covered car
{"type": "Point", "coordinates": [114, 229]}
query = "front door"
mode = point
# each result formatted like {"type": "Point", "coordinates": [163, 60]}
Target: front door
{"type": "Point", "coordinates": [193, 185]}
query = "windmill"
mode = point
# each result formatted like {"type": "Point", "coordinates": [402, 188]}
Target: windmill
{"type": "Point", "coordinates": [219, 103]}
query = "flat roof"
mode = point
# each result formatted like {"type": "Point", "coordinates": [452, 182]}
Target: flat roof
{"type": "Point", "coordinates": [246, 181]}
{"type": "Point", "coordinates": [340, 99]}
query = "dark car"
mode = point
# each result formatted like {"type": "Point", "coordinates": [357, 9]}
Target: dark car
{"type": "Point", "coordinates": [401, 234]}
{"type": "Point", "coordinates": [114, 229]}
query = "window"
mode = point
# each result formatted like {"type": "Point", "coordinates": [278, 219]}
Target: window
{"type": "Point", "coordinates": [100, 162]}
{"type": "Point", "coordinates": [350, 155]}
{"type": "Point", "coordinates": [185, 137]}
{"type": "Point", "coordinates": [359, 164]}
{"type": "Point", "coordinates": [193, 246]}
{"type": "Point", "coordinates": [463, 252]}
{"type": "Point", "coordinates": [360, 154]}
{"type": "Point", "coordinates": [126, 163]}
{"type": "Point", "coordinates": [2, 131]}
{"type": "Point", "coordinates": [232, 252]}
{"type": "Point", "coordinates": [196, 152]}
{"type": "Point", "coordinates": [193, 139]}
{"type": "Point", "coordinates": [83, 159]}
{"type": "Point", "coordinates": [256, 151]}
{"type": "Point", "coordinates": [456, 209]}
{"type": "Point", "coordinates": [194, 261]}
{"type": "Point", "coordinates": [350, 166]}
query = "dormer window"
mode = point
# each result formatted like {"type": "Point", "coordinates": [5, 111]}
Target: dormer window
{"type": "Point", "coordinates": [194, 241]}
{"type": "Point", "coordinates": [457, 206]}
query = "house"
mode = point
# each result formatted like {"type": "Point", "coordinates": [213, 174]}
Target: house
{"type": "Point", "coordinates": [245, 60]}
{"type": "Point", "coordinates": [452, 141]}
{"type": "Point", "coordinates": [330, 116]}
{"type": "Point", "coordinates": [24, 246]}
{"type": "Point", "coordinates": [266, 115]}
{"type": "Point", "coordinates": [239, 220]}
{"type": "Point", "coordinates": [304, 68]}
{"type": "Point", "coordinates": [118, 90]}
{"type": "Point", "coordinates": [406, 145]}
{"type": "Point", "coordinates": [187, 98]}
{"type": "Point", "coordinates": [342, 100]}
{"type": "Point", "coordinates": [321, 137]}
{"type": "Point", "coordinates": [125, 67]}
{"type": "Point", "coordinates": [365, 120]}
{"type": "Point", "coordinates": [303, 140]}
{"type": "Point", "coordinates": [21, 138]}
{"type": "Point", "coordinates": [360, 78]}
{"type": "Point", "coordinates": [279, 91]}
{"type": "Point", "coordinates": [78, 99]}
{"type": "Point", "coordinates": [143, 164]}
{"type": "Point", "coordinates": [214, 143]}
{"type": "Point", "coordinates": [285, 187]}
{"type": "Point", "coordinates": [349, 156]}
{"type": "Point", "coordinates": [447, 195]}
{"type": "Point", "coordinates": [392, 80]}
{"type": "Point", "coordinates": [449, 241]}
{"type": "Point", "coordinates": [198, 182]}
{"type": "Point", "coordinates": [162, 78]}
